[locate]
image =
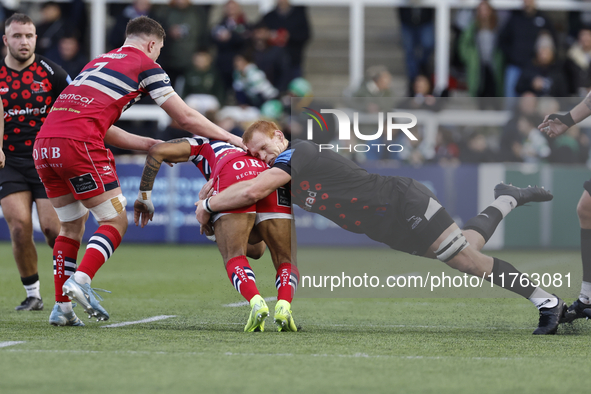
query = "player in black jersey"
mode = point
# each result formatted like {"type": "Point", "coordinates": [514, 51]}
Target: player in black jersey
{"type": "Point", "coordinates": [397, 211]}
{"type": "Point", "coordinates": [29, 84]}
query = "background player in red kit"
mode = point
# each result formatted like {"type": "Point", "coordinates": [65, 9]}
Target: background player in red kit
{"type": "Point", "coordinates": [79, 173]}
{"type": "Point", "coordinates": [29, 84]}
{"type": "Point", "coordinates": [271, 216]}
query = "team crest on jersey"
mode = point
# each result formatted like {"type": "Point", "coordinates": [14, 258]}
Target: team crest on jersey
{"type": "Point", "coordinates": [3, 90]}
{"type": "Point", "coordinates": [39, 87]}
{"type": "Point", "coordinates": [166, 79]}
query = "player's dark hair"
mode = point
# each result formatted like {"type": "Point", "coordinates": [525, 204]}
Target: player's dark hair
{"type": "Point", "coordinates": [264, 126]}
{"type": "Point", "coordinates": [18, 18]}
{"type": "Point", "coordinates": [142, 25]}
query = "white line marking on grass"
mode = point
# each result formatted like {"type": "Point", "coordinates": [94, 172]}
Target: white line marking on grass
{"type": "Point", "coordinates": [10, 343]}
{"type": "Point", "coordinates": [148, 320]}
{"type": "Point", "coordinates": [245, 303]}
{"type": "Point", "coordinates": [233, 354]}
{"type": "Point", "coordinates": [383, 326]}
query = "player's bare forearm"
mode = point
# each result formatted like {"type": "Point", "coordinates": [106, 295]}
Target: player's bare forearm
{"type": "Point", "coordinates": [122, 139]}
{"type": "Point", "coordinates": [151, 169]}
{"type": "Point", "coordinates": [196, 123]}
{"type": "Point", "coordinates": [246, 193]}
{"type": "Point", "coordinates": [173, 151]}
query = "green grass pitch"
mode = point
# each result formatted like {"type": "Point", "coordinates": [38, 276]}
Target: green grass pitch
{"type": "Point", "coordinates": [345, 345]}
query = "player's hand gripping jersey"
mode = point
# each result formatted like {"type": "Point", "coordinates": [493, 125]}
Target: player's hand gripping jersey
{"type": "Point", "coordinates": [106, 87]}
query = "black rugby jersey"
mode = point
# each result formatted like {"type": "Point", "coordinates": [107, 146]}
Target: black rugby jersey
{"type": "Point", "coordinates": [333, 186]}
{"type": "Point", "coordinates": [27, 96]}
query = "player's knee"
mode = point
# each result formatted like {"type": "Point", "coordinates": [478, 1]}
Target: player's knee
{"type": "Point", "coordinates": [111, 209]}
{"type": "Point", "coordinates": [20, 231]}
{"type": "Point", "coordinates": [451, 246]}
{"type": "Point", "coordinates": [50, 235]}
{"type": "Point", "coordinates": [255, 251]}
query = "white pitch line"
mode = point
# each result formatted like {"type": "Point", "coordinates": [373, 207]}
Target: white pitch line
{"type": "Point", "coordinates": [10, 343]}
{"type": "Point", "coordinates": [148, 320]}
{"type": "Point", "coordinates": [233, 354]}
{"type": "Point", "coordinates": [245, 303]}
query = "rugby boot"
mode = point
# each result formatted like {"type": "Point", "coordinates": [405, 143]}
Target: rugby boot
{"type": "Point", "coordinates": [550, 318]}
{"type": "Point", "coordinates": [258, 314]}
{"type": "Point", "coordinates": [87, 297]}
{"type": "Point", "coordinates": [283, 318]}
{"type": "Point", "coordinates": [578, 310]}
{"type": "Point", "coordinates": [60, 318]}
{"type": "Point", "coordinates": [30, 304]}
{"type": "Point", "coordinates": [523, 195]}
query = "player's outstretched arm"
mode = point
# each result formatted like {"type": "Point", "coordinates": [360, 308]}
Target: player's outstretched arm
{"type": "Point", "coordinates": [555, 124]}
{"type": "Point", "coordinates": [174, 151]}
{"type": "Point", "coordinates": [195, 123]}
{"type": "Point", "coordinates": [120, 138]}
{"type": "Point", "coordinates": [243, 194]}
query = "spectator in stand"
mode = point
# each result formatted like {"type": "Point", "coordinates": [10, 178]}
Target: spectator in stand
{"type": "Point", "coordinates": [422, 95]}
{"type": "Point", "coordinates": [527, 106]}
{"type": "Point", "coordinates": [272, 60]}
{"type": "Point", "coordinates": [297, 104]}
{"type": "Point", "coordinates": [51, 28]}
{"type": "Point", "coordinates": [290, 28]}
{"type": "Point", "coordinates": [203, 78]}
{"type": "Point", "coordinates": [69, 56]}
{"type": "Point", "coordinates": [183, 24]}
{"type": "Point", "coordinates": [230, 36]}
{"type": "Point", "coordinates": [572, 147]}
{"type": "Point", "coordinates": [447, 151]}
{"type": "Point", "coordinates": [475, 149]}
{"type": "Point", "coordinates": [250, 84]}
{"type": "Point", "coordinates": [545, 76]}
{"type": "Point", "coordinates": [576, 21]}
{"type": "Point", "coordinates": [117, 34]}
{"type": "Point", "coordinates": [578, 63]}
{"type": "Point", "coordinates": [378, 83]}
{"type": "Point", "coordinates": [481, 55]}
{"type": "Point", "coordinates": [518, 42]}
{"type": "Point", "coordinates": [533, 146]}
{"type": "Point", "coordinates": [418, 40]}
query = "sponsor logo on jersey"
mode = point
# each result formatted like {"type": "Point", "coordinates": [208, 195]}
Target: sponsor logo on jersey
{"type": "Point", "coordinates": [310, 200]}
{"type": "Point", "coordinates": [76, 97]}
{"type": "Point", "coordinates": [47, 66]}
{"type": "Point", "coordinates": [115, 56]}
{"type": "Point", "coordinates": [39, 87]}
{"type": "Point", "coordinates": [3, 90]}
{"type": "Point", "coordinates": [25, 111]}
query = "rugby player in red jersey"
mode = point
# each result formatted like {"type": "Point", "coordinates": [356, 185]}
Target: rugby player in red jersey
{"type": "Point", "coordinates": [79, 173]}
{"type": "Point", "coordinates": [223, 165]}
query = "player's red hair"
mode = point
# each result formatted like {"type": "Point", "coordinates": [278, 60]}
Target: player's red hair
{"type": "Point", "coordinates": [263, 126]}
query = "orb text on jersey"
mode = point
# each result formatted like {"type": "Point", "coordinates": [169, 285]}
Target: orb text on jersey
{"type": "Point", "coordinates": [373, 141]}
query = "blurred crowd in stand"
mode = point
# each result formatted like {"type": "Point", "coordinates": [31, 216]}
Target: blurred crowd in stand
{"type": "Point", "coordinates": [236, 69]}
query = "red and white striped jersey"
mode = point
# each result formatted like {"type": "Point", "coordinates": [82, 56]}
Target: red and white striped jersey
{"type": "Point", "coordinates": [105, 88]}
{"type": "Point", "coordinates": [206, 154]}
